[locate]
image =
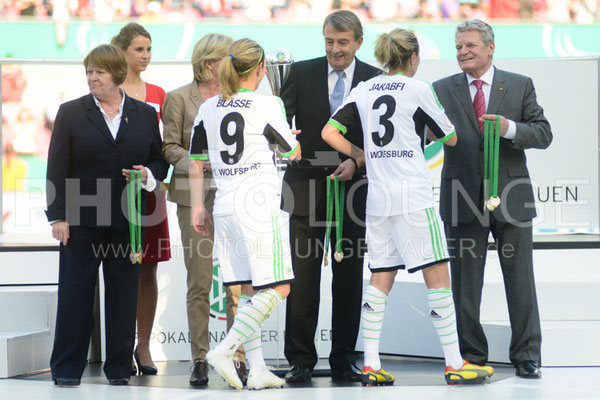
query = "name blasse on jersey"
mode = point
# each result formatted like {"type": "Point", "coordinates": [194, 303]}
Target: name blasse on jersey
{"type": "Point", "coordinates": [235, 103]}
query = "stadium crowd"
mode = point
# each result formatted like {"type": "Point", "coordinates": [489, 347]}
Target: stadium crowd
{"type": "Point", "coordinates": [303, 11]}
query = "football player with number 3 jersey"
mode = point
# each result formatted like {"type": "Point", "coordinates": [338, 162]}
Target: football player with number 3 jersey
{"type": "Point", "coordinates": [397, 113]}
{"type": "Point", "coordinates": [237, 132]}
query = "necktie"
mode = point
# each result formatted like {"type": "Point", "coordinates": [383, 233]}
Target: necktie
{"type": "Point", "coordinates": [479, 102]}
{"type": "Point", "coordinates": [337, 97]}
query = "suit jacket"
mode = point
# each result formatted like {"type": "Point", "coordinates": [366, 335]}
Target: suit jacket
{"type": "Point", "coordinates": [179, 111]}
{"type": "Point", "coordinates": [85, 160]}
{"type": "Point", "coordinates": [305, 96]}
{"type": "Point", "coordinates": [512, 96]}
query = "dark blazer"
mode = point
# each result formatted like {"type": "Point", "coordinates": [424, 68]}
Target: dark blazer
{"type": "Point", "coordinates": [305, 95]}
{"type": "Point", "coordinates": [512, 96]}
{"type": "Point", "coordinates": [83, 151]}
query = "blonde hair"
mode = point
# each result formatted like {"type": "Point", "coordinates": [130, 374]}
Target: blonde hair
{"type": "Point", "coordinates": [109, 58]}
{"type": "Point", "coordinates": [211, 47]}
{"type": "Point", "coordinates": [244, 56]}
{"type": "Point", "coordinates": [393, 50]}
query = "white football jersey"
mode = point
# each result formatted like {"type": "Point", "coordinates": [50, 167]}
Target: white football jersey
{"type": "Point", "coordinates": [394, 111]}
{"type": "Point", "coordinates": [238, 137]}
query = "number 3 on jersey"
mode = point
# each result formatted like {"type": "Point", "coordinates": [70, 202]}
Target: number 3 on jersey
{"type": "Point", "coordinates": [384, 120]}
{"type": "Point", "coordinates": [236, 139]}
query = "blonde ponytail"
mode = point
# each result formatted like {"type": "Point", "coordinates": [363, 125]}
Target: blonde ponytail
{"type": "Point", "coordinates": [393, 50]}
{"type": "Point", "coordinates": [244, 56]}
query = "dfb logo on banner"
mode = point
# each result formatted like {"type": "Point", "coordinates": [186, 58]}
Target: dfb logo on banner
{"type": "Point", "coordinates": [217, 294]}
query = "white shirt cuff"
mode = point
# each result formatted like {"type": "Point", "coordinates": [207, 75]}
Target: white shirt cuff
{"type": "Point", "coordinates": [150, 184]}
{"type": "Point", "coordinates": [511, 133]}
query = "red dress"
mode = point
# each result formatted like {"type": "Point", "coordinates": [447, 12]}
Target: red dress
{"type": "Point", "coordinates": [157, 245]}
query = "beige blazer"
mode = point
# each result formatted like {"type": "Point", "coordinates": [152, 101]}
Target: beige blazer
{"type": "Point", "coordinates": [179, 111]}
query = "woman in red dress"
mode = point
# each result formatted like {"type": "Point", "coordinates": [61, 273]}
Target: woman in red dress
{"type": "Point", "coordinates": [136, 44]}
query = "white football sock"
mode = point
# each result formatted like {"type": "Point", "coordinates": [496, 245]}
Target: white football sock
{"type": "Point", "coordinates": [443, 316]}
{"type": "Point", "coordinates": [250, 319]}
{"type": "Point", "coordinates": [372, 313]}
{"type": "Point", "coordinates": [252, 345]}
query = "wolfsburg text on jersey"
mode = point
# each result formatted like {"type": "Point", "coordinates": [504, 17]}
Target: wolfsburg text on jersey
{"type": "Point", "coordinates": [391, 154]}
{"type": "Point", "coordinates": [237, 170]}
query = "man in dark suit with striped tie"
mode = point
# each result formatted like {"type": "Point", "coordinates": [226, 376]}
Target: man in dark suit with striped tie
{"type": "Point", "coordinates": [482, 92]}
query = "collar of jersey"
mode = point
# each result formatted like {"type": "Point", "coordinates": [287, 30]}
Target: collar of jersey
{"type": "Point", "coordinates": [244, 90]}
{"type": "Point", "coordinates": [397, 73]}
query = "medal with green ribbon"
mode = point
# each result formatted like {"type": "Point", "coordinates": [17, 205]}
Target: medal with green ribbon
{"type": "Point", "coordinates": [336, 198]}
{"type": "Point", "coordinates": [491, 156]}
{"type": "Point", "coordinates": [134, 194]}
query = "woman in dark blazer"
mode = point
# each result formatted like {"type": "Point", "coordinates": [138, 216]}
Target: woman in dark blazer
{"type": "Point", "coordinates": [95, 142]}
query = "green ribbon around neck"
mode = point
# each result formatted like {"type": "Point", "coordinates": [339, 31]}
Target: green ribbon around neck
{"type": "Point", "coordinates": [134, 195]}
{"type": "Point", "coordinates": [491, 157]}
{"type": "Point", "coordinates": [335, 201]}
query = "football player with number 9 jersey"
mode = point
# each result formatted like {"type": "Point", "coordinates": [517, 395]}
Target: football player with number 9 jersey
{"type": "Point", "coordinates": [237, 131]}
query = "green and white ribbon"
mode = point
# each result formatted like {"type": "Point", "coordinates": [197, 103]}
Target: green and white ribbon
{"type": "Point", "coordinates": [335, 200]}
{"type": "Point", "coordinates": [134, 195]}
{"type": "Point", "coordinates": [491, 156]}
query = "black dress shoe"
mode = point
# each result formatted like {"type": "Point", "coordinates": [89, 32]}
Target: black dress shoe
{"type": "Point", "coordinates": [67, 382]}
{"type": "Point", "coordinates": [118, 381]}
{"type": "Point", "coordinates": [199, 375]}
{"type": "Point", "coordinates": [133, 370]}
{"type": "Point", "coordinates": [529, 370]}
{"type": "Point", "coordinates": [242, 371]}
{"type": "Point", "coordinates": [144, 370]}
{"type": "Point", "coordinates": [349, 373]}
{"type": "Point", "coordinates": [298, 374]}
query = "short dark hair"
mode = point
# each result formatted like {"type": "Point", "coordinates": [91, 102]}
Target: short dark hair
{"type": "Point", "coordinates": [109, 58]}
{"type": "Point", "coordinates": [343, 21]}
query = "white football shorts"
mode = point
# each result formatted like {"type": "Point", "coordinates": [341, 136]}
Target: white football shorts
{"type": "Point", "coordinates": [414, 241]}
{"type": "Point", "coordinates": [254, 248]}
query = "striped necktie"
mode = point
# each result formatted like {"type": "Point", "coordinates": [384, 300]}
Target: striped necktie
{"type": "Point", "coordinates": [479, 102]}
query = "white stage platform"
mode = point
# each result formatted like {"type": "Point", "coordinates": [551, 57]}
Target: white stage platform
{"type": "Point", "coordinates": [556, 384]}
{"type": "Point", "coordinates": [567, 275]}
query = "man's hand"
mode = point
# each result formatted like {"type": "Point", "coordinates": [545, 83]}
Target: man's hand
{"type": "Point", "coordinates": [503, 122]}
{"type": "Point", "coordinates": [60, 231]}
{"type": "Point", "coordinates": [200, 220]}
{"type": "Point", "coordinates": [345, 171]}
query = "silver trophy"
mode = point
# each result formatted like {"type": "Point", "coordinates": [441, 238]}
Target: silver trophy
{"type": "Point", "coordinates": [278, 63]}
